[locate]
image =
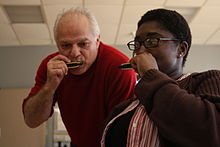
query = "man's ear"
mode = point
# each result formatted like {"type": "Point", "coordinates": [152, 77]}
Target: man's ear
{"type": "Point", "coordinates": [98, 40]}
{"type": "Point", "coordinates": [183, 48]}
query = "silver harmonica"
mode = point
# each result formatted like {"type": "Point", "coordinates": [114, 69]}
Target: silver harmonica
{"type": "Point", "coordinates": [71, 65]}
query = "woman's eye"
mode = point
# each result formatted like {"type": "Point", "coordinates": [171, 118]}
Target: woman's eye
{"type": "Point", "coordinates": [137, 46]}
{"type": "Point", "coordinates": [153, 41]}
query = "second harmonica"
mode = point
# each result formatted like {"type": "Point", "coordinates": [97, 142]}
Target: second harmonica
{"type": "Point", "coordinates": [73, 64]}
{"type": "Point", "coordinates": [125, 66]}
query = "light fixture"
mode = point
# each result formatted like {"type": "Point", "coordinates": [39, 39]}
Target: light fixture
{"type": "Point", "coordinates": [24, 14]}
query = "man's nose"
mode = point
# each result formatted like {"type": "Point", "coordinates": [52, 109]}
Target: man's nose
{"type": "Point", "coordinates": [75, 51]}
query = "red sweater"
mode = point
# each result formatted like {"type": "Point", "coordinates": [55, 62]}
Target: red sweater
{"type": "Point", "coordinates": [86, 100]}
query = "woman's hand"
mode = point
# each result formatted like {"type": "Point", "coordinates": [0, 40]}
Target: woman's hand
{"type": "Point", "coordinates": [143, 62]}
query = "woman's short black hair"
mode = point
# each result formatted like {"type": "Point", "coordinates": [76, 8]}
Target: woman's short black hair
{"type": "Point", "coordinates": [171, 21]}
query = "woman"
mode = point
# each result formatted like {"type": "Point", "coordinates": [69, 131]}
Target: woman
{"type": "Point", "coordinates": [171, 108]}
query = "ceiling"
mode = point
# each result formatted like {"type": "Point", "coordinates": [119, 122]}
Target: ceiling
{"type": "Point", "coordinates": [117, 19]}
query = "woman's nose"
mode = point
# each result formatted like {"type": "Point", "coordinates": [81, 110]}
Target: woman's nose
{"type": "Point", "coordinates": [141, 50]}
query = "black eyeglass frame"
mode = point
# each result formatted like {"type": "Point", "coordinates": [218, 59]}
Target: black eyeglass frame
{"type": "Point", "coordinates": [132, 47]}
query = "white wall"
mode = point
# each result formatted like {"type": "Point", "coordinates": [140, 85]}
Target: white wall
{"type": "Point", "coordinates": [14, 132]}
{"type": "Point", "coordinates": [203, 58]}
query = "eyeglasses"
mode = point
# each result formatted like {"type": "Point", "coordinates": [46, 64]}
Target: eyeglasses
{"type": "Point", "coordinates": [148, 43]}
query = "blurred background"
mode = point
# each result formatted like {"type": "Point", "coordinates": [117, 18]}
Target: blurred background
{"type": "Point", "coordinates": [26, 37]}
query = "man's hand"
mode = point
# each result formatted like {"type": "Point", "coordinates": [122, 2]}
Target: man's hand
{"type": "Point", "coordinates": [56, 70]}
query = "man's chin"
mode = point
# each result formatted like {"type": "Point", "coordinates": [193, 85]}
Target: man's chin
{"type": "Point", "coordinates": [77, 71]}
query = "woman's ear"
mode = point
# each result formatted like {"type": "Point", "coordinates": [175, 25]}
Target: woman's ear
{"type": "Point", "coordinates": [183, 48]}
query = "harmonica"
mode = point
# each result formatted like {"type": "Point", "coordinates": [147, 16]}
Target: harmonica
{"type": "Point", "coordinates": [125, 66]}
{"type": "Point", "coordinates": [71, 65]}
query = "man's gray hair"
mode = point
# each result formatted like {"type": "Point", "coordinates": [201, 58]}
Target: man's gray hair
{"type": "Point", "coordinates": [81, 11]}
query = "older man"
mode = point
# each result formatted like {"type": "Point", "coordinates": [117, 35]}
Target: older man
{"type": "Point", "coordinates": [85, 93]}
